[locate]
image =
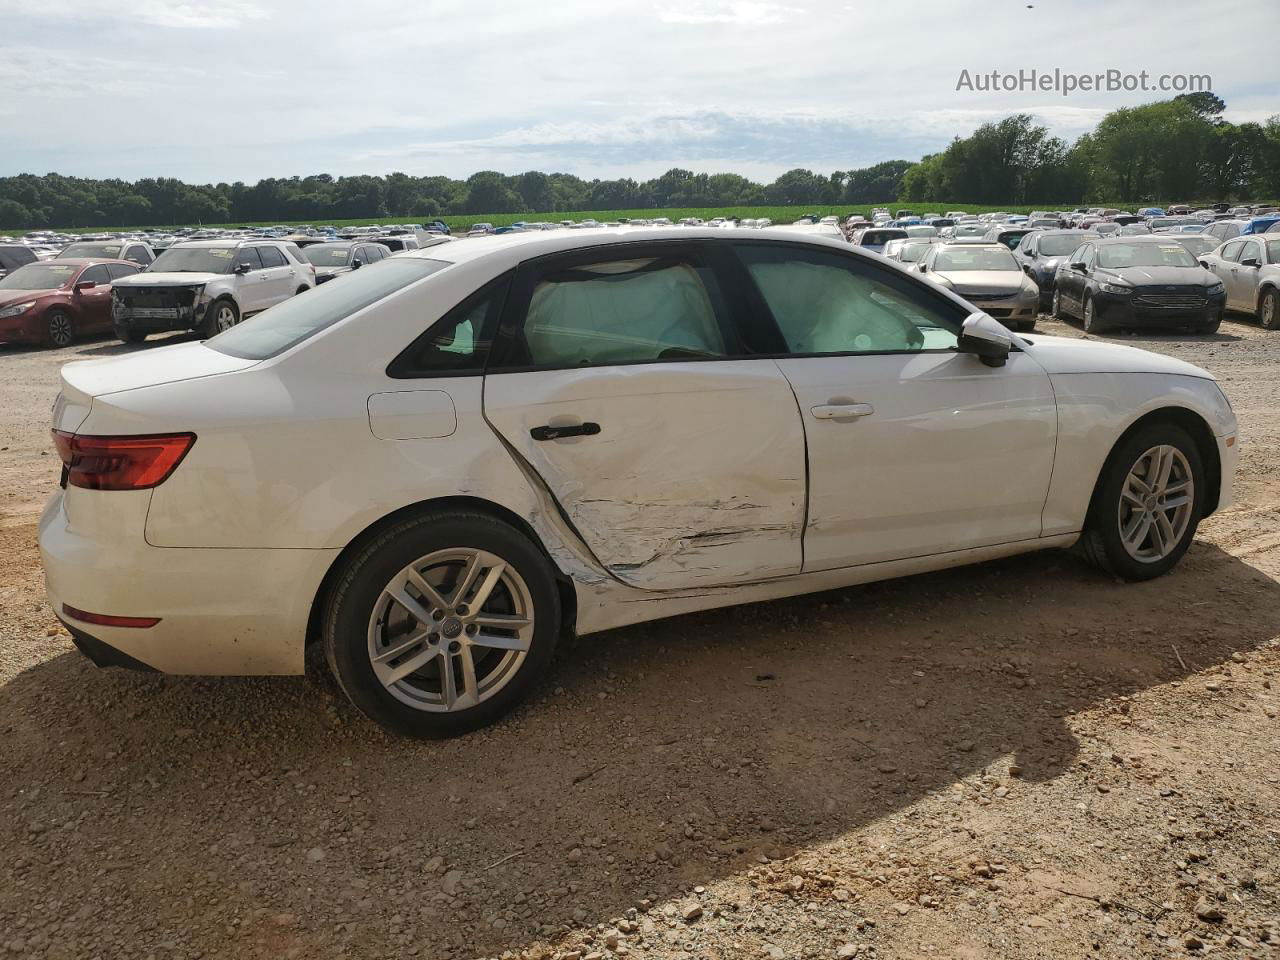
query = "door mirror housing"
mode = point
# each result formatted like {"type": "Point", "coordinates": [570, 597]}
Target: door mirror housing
{"type": "Point", "coordinates": [1205, 264]}
{"type": "Point", "coordinates": [242, 268]}
{"type": "Point", "coordinates": [1078, 266]}
{"type": "Point", "coordinates": [1250, 262]}
{"type": "Point", "coordinates": [357, 263]}
{"type": "Point", "coordinates": [986, 338]}
{"type": "Point", "coordinates": [83, 285]}
{"type": "Point", "coordinates": [923, 267]}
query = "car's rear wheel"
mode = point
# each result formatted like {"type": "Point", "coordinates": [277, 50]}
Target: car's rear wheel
{"type": "Point", "coordinates": [221, 315]}
{"type": "Point", "coordinates": [1148, 504]}
{"type": "Point", "coordinates": [442, 623]}
{"type": "Point", "coordinates": [1269, 310]}
{"type": "Point", "coordinates": [59, 328]}
{"type": "Point", "coordinates": [1090, 320]}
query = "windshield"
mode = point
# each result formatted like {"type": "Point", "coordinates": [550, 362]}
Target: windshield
{"type": "Point", "coordinates": [1198, 245]}
{"type": "Point", "coordinates": [1058, 246]}
{"type": "Point", "coordinates": [191, 259]}
{"type": "Point", "coordinates": [327, 254]}
{"type": "Point", "coordinates": [107, 249]}
{"type": "Point", "coordinates": [289, 323]}
{"type": "Point", "coordinates": [1117, 256]}
{"type": "Point", "coordinates": [38, 276]}
{"type": "Point", "coordinates": [974, 258]}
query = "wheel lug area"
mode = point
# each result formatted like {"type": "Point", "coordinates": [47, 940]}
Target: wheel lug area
{"type": "Point", "coordinates": [472, 629]}
{"type": "Point", "coordinates": [455, 646]}
{"type": "Point", "coordinates": [437, 615]}
{"type": "Point", "coordinates": [462, 610]}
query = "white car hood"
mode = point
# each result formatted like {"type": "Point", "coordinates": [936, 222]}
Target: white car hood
{"type": "Point", "coordinates": [145, 279]}
{"type": "Point", "coordinates": [1071, 355]}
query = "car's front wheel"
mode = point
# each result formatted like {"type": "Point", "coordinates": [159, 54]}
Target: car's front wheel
{"type": "Point", "coordinates": [441, 623]}
{"type": "Point", "coordinates": [60, 329]}
{"type": "Point", "coordinates": [1055, 310]}
{"type": "Point", "coordinates": [221, 315]}
{"type": "Point", "coordinates": [1147, 505]}
{"type": "Point", "coordinates": [1090, 321]}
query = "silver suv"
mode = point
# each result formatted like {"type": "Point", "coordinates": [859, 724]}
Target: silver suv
{"type": "Point", "coordinates": [208, 286]}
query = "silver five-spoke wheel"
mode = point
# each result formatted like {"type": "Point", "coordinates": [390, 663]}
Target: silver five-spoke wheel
{"type": "Point", "coordinates": [224, 316]}
{"type": "Point", "coordinates": [451, 629]}
{"type": "Point", "coordinates": [1156, 503]}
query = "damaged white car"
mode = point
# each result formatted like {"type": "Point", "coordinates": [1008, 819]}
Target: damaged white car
{"type": "Point", "coordinates": [441, 463]}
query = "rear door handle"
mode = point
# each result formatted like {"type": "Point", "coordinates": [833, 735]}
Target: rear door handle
{"type": "Point", "coordinates": [547, 432]}
{"type": "Point", "coordinates": [842, 411]}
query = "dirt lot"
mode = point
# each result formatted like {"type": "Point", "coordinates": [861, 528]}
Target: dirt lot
{"type": "Point", "coordinates": [1021, 759]}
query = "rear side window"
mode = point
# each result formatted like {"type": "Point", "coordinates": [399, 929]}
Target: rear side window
{"type": "Point", "coordinates": [825, 303]}
{"type": "Point", "coordinates": [289, 323]}
{"type": "Point", "coordinates": [623, 311]}
{"type": "Point", "coordinates": [271, 257]}
{"type": "Point", "coordinates": [458, 343]}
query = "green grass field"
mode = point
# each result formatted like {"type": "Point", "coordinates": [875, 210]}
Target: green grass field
{"type": "Point", "coordinates": [776, 214]}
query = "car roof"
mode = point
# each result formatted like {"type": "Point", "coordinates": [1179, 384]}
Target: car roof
{"type": "Point", "coordinates": [1140, 238]}
{"type": "Point", "coordinates": [517, 247]}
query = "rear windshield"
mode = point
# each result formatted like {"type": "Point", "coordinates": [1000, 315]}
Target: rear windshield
{"type": "Point", "coordinates": [328, 254]}
{"type": "Point", "coordinates": [88, 249]}
{"type": "Point", "coordinates": [187, 259]}
{"type": "Point", "coordinates": [1119, 255]}
{"type": "Point", "coordinates": [38, 276]}
{"type": "Point", "coordinates": [974, 258]}
{"type": "Point", "coordinates": [1059, 245]}
{"type": "Point", "coordinates": [289, 323]}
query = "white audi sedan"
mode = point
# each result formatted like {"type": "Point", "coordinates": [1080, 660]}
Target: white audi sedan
{"type": "Point", "coordinates": [441, 463]}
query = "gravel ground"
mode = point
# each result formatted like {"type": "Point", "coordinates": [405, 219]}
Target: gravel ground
{"type": "Point", "coordinates": [1020, 759]}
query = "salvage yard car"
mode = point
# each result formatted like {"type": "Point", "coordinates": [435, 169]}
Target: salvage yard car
{"type": "Point", "coordinates": [55, 301]}
{"type": "Point", "coordinates": [441, 463]}
{"type": "Point", "coordinates": [209, 286]}
{"type": "Point", "coordinates": [1137, 281]}
{"type": "Point", "coordinates": [1249, 268]}
{"type": "Point", "coordinates": [988, 276]}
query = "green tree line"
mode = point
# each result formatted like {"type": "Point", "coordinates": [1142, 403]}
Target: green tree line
{"type": "Point", "coordinates": [1176, 149]}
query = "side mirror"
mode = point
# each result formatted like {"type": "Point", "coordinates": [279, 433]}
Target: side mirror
{"type": "Point", "coordinates": [1078, 266]}
{"type": "Point", "coordinates": [923, 268]}
{"type": "Point", "coordinates": [85, 285]}
{"type": "Point", "coordinates": [986, 338]}
{"type": "Point", "coordinates": [357, 263]}
{"type": "Point", "coordinates": [242, 268]}
{"type": "Point", "coordinates": [1205, 264]}
{"type": "Point", "coordinates": [1026, 268]}
{"type": "Point", "coordinates": [1250, 262]}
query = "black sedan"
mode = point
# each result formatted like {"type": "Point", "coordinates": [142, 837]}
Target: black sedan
{"type": "Point", "coordinates": [342, 256]}
{"type": "Point", "coordinates": [1040, 253]}
{"type": "Point", "coordinates": [1137, 281]}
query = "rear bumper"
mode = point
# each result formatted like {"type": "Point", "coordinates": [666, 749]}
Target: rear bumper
{"type": "Point", "coordinates": [222, 611]}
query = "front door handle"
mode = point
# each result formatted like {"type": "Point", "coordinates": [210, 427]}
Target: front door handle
{"type": "Point", "coordinates": [547, 432]}
{"type": "Point", "coordinates": [842, 411]}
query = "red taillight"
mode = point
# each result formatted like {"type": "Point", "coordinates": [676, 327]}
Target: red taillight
{"type": "Point", "coordinates": [121, 463]}
{"type": "Point", "coordinates": [106, 620]}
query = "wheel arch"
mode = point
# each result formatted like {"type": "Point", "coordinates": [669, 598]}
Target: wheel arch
{"type": "Point", "coordinates": [564, 586]}
{"type": "Point", "coordinates": [1201, 434]}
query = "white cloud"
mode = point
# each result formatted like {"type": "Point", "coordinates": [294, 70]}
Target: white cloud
{"type": "Point", "coordinates": [193, 14]}
{"type": "Point", "coordinates": [751, 13]}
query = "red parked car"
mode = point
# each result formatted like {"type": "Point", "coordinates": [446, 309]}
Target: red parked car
{"type": "Point", "coordinates": [54, 301]}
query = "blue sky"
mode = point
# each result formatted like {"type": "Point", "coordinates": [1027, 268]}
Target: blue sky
{"type": "Point", "coordinates": [211, 90]}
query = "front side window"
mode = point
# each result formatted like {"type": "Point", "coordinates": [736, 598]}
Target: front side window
{"type": "Point", "coordinates": [622, 311]}
{"type": "Point", "coordinates": [1231, 251]}
{"type": "Point", "coordinates": [826, 303]}
{"type": "Point", "coordinates": [289, 323]}
{"type": "Point", "coordinates": [250, 256]}
{"type": "Point", "coordinates": [118, 270]}
{"type": "Point", "coordinates": [95, 274]}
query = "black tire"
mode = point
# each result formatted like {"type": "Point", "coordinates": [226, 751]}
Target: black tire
{"type": "Point", "coordinates": [1025, 326]}
{"type": "Point", "coordinates": [59, 328]}
{"type": "Point", "coordinates": [1101, 542]}
{"type": "Point", "coordinates": [1089, 318]}
{"type": "Point", "coordinates": [359, 584]}
{"type": "Point", "coordinates": [1210, 326]}
{"type": "Point", "coordinates": [127, 335]}
{"type": "Point", "coordinates": [209, 325]}
{"type": "Point", "coordinates": [1269, 310]}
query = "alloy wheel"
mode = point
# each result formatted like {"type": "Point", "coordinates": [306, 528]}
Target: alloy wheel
{"type": "Point", "coordinates": [1156, 503]}
{"type": "Point", "coordinates": [60, 332]}
{"type": "Point", "coordinates": [224, 317]}
{"type": "Point", "coordinates": [451, 629]}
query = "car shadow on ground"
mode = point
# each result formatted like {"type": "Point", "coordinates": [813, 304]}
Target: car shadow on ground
{"type": "Point", "coordinates": [669, 754]}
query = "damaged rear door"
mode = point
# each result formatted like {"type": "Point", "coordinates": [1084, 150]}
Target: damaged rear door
{"type": "Point", "coordinates": [619, 378]}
